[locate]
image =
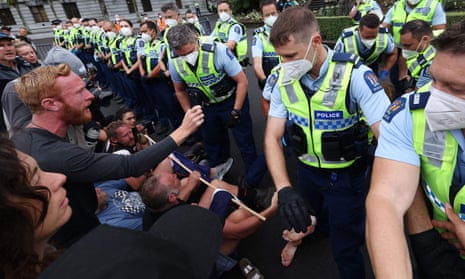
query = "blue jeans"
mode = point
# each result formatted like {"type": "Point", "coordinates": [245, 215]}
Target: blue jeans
{"type": "Point", "coordinates": [338, 198]}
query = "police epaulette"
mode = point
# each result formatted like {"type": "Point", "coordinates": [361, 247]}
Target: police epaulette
{"type": "Point", "coordinates": [208, 43]}
{"type": "Point", "coordinates": [383, 30]}
{"type": "Point", "coordinates": [347, 57]}
{"type": "Point", "coordinates": [418, 100]}
{"type": "Point", "coordinates": [259, 30]}
{"type": "Point", "coordinates": [347, 33]}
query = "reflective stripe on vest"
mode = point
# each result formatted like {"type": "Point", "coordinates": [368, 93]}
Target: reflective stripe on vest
{"type": "Point", "coordinates": [325, 111]}
{"type": "Point", "coordinates": [205, 75]}
{"type": "Point", "coordinates": [424, 11]}
{"type": "Point", "coordinates": [350, 44]}
{"type": "Point", "coordinates": [438, 154]}
{"type": "Point", "coordinates": [419, 62]}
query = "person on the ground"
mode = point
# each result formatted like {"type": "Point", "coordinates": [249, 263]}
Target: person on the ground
{"type": "Point", "coordinates": [318, 96]}
{"type": "Point", "coordinates": [57, 99]}
{"type": "Point", "coordinates": [164, 191]}
{"type": "Point", "coordinates": [421, 145]}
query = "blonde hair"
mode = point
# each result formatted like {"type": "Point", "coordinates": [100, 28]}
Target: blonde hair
{"type": "Point", "coordinates": [38, 84]}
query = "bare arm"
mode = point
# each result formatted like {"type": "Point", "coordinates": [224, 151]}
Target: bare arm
{"type": "Point", "coordinates": [393, 188]}
{"type": "Point", "coordinates": [257, 66]}
{"type": "Point", "coordinates": [241, 89]}
{"type": "Point", "coordinates": [390, 60]}
{"type": "Point", "coordinates": [181, 94]}
{"type": "Point", "coordinates": [230, 44]}
{"type": "Point", "coordinates": [274, 152]}
{"type": "Point", "coordinates": [375, 128]}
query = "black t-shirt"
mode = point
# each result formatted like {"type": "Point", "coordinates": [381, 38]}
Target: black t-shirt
{"type": "Point", "coordinates": [151, 216]}
{"type": "Point", "coordinates": [83, 168]}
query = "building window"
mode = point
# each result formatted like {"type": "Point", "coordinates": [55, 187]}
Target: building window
{"type": "Point", "coordinates": [71, 10]}
{"type": "Point", "coordinates": [6, 17]}
{"type": "Point", "coordinates": [147, 6]}
{"type": "Point", "coordinates": [131, 5]}
{"type": "Point", "coordinates": [39, 14]}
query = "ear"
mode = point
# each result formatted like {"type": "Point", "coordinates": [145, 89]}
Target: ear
{"type": "Point", "coordinates": [50, 104]}
{"type": "Point", "coordinates": [317, 38]}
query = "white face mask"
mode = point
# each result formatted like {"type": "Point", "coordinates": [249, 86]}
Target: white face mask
{"type": "Point", "coordinates": [126, 31]}
{"type": "Point", "coordinates": [76, 25]}
{"type": "Point", "coordinates": [146, 37]}
{"type": "Point", "coordinates": [444, 111]}
{"type": "Point", "coordinates": [59, 27]}
{"type": "Point", "coordinates": [110, 35]}
{"type": "Point", "coordinates": [409, 54]}
{"type": "Point", "coordinates": [270, 20]}
{"type": "Point", "coordinates": [171, 22]}
{"type": "Point", "coordinates": [413, 2]}
{"type": "Point", "coordinates": [296, 69]}
{"type": "Point", "coordinates": [191, 20]}
{"type": "Point", "coordinates": [224, 16]}
{"type": "Point", "coordinates": [368, 43]}
{"type": "Point", "coordinates": [95, 28]}
{"type": "Point", "coordinates": [191, 58]}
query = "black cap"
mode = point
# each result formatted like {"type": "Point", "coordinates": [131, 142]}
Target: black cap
{"type": "Point", "coordinates": [4, 27]}
{"type": "Point", "coordinates": [56, 21]}
{"type": "Point", "coordinates": [183, 243]}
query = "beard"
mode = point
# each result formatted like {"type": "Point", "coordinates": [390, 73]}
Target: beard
{"type": "Point", "coordinates": [73, 116]}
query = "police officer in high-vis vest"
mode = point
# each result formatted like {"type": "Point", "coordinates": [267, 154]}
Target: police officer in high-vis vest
{"type": "Point", "coordinates": [263, 54]}
{"type": "Point", "coordinates": [415, 38]}
{"type": "Point", "coordinates": [363, 7]}
{"type": "Point", "coordinates": [372, 43]}
{"type": "Point", "coordinates": [318, 96]}
{"type": "Point", "coordinates": [159, 88]}
{"type": "Point", "coordinates": [206, 72]}
{"type": "Point", "coordinates": [404, 11]}
{"type": "Point", "coordinates": [231, 32]}
{"type": "Point", "coordinates": [422, 143]}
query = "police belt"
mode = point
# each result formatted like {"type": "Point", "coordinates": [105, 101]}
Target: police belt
{"type": "Point", "coordinates": [219, 100]}
{"type": "Point", "coordinates": [358, 166]}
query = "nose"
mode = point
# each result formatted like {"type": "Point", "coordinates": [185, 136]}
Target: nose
{"type": "Point", "coordinates": [57, 180]}
{"type": "Point", "coordinates": [89, 96]}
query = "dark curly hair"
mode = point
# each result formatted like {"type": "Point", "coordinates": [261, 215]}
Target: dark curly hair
{"type": "Point", "coordinates": [18, 203]}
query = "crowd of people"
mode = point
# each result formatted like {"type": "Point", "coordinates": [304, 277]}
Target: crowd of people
{"type": "Point", "coordinates": [376, 125]}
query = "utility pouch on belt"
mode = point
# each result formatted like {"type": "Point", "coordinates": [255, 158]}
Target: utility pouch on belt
{"type": "Point", "coordinates": [347, 144]}
{"type": "Point", "coordinates": [296, 138]}
{"type": "Point", "coordinates": [196, 97]}
{"type": "Point", "coordinates": [223, 88]}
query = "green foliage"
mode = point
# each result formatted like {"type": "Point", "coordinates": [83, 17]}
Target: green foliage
{"type": "Point", "coordinates": [332, 26]}
{"type": "Point", "coordinates": [453, 17]}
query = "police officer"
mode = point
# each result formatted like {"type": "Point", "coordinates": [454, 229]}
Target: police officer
{"type": "Point", "coordinates": [58, 33]}
{"type": "Point", "coordinates": [404, 11]}
{"type": "Point", "coordinates": [205, 71]}
{"type": "Point", "coordinates": [318, 95]}
{"type": "Point", "coordinates": [415, 38]}
{"type": "Point", "coordinates": [371, 42]}
{"type": "Point", "coordinates": [363, 7]}
{"type": "Point", "coordinates": [159, 88]}
{"type": "Point", "coordinates": [263, 53]}
{"type": "Point", "coordinates": [231, 32]}
{"type": "Point", "coordinates": [422, 143]}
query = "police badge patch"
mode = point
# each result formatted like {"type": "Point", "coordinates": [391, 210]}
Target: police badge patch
{"type": "Point", "coordinates": [372, 81]}
{"type": "Point", "coordinates": [394, 108]}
